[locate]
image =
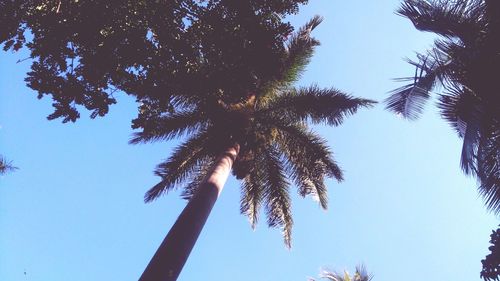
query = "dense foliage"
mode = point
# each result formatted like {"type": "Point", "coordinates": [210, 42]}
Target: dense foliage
{"type": "Point", "coordinates": [82, 52]}
{"type": "Point", "coordinates": [270, 126]}
{"type": "Point", "coordinates": [465, 62]}
{"type": "Point", "coordinates": [219, 70]}
{"type": "Point", "coordinates": [491, 264]}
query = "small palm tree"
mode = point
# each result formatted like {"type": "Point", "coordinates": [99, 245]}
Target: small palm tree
{"type": "Point", "coordinates": [360, 275]}
{"type": "Point", "coordinates": [465, 61]}
{"type": "Point", "coordinates": [5, 166]}
{"type": "Point", "coordinates": [265, 141]}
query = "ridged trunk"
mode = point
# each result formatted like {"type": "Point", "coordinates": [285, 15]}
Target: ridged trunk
{"type": "Point", "coordinates": [167, 263]}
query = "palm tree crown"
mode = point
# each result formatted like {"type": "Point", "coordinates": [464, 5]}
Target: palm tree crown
{"type": "Point", "coordinates": [360, 275]}
{"type": "Point", "coordinates": [5, 165]}
{"type": "Point", "coordinates": [270, 126]}
{"type": "Point", "coordinates": [465, 61]}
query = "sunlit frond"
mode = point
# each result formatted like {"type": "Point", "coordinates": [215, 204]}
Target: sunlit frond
{"type": "Point", "coordinates": [300, 49]}
{"type": "Point", "coordinates": [360, 275]}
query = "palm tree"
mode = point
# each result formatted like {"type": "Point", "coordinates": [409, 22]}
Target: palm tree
{"type": "Point", "coordinates": [464, 61]}
{"type": "Point", "coordinates": [265, 141]}
{"type": "Point", "coordinates": [360, 275]}
{"type": "Point", "coordinates": [5, 166]}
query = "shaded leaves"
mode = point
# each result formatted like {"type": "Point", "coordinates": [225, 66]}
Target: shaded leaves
{"type": "Point", "coordinates": [465, 62]}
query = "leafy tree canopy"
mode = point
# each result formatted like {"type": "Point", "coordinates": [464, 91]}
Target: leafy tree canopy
{"type": "Point", "coordinates": [465, 61]}
{"type": "Point", "coordinates": [82, 52]}
{"type": "Point", "coordinates": [270, 126]}
{"type": "Point", "coordinates": [491, 264]}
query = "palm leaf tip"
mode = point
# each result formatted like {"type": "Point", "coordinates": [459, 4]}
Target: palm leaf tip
{"type": "Point", "coordinates": [360, 275]}
{"type": "Point", "coordinates": [334, 171]}
{"type": "Point", "coordinates": [155, 192]}
{"type": "Point", "coordinates": [277, 197]}
{"type": "Point", "coordinates": [136, 138]}
{"type": "Point", "coordinates": [197, 178]}
{"type": "Point", "coordinates": [409, 100]}
{"type": "Point", "coordinates": [251, 198]}
{"type": "Point", "coordinates": [184, 162]}
{"type": "Point", "coordinates": [317, 105]}
{"type": "Point", "coordinates": [171, 126]}
{"type": "Point", "coordinates": [313, 23]}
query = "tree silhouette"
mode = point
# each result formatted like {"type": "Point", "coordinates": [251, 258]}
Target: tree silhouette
{"type": "Point", "coordinates": [491, 264]}
{"type": "Point", "coordinates": [265, 136]}
{"type": "Point", "coordinates": [6, 166]}
{"type": "Point", "coordinates": [217, 70]}
{"type": "Point", "coordinates": [465, 62]}
{"type": "Point", "coordinates": [83, 52]}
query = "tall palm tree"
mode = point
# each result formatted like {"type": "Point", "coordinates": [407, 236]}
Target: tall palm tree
{"type": "Point", "coordinates": [265, 141]}
{"type": "Point", "coordinates": [5, 166]}
{"type": "Point", "coordinates": [465, 62]}
{"type": "Point", "coordinates": [360, 275]}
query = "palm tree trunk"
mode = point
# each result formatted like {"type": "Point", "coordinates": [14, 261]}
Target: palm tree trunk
{"type": "Point", "coordinates": [173, 252]}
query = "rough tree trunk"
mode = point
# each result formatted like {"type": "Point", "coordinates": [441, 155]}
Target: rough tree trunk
{"type": "Point", "coordinates": [173, 252]}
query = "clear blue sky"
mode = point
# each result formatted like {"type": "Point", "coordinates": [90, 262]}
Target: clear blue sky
{"type": "Point", "coordinates": [74, 209]}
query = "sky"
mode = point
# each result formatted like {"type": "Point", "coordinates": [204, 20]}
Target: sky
{"type": "Point", "coordinates": [74, 210]}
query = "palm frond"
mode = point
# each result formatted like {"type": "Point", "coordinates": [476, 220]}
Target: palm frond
{"type": "Point", "coordinates": [6, 166]}
{"type": "Point", "coordinates": [308, 161]}
{"type": "Point", "coordinates": [317, 105]}
{"type": "Point", "coordinates": [305, 146]}
{"type": "Point", "coordinates": [469, 148]}
{"type": "Point", "coordinates": [300, 49]}
{"type": "Point", "coordinates": [408, 101]}
{"type": "Point", "coordinates": [171, 126]}
{"type": "Point", "coordinates": [334, 276]}
{"type": "Point", "coordinates": [197, 177]}
{"type": "Point", "coordinates": [462, 110]}
{"type": "Point", "coordinates": [180, 165]}
{"type": "Point", "coordinates": [488, 167]}
{"type": "Point", "coordinates": [276, 196]}
{"type": "Point", "coordinates": [360, 275]}
{"type": "Point", "coordinates": [461, 19]}
{"type": "Point", "coordinates": [252, 194]}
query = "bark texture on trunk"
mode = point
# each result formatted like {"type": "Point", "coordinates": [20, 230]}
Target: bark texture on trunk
{"type": "Point", "coordinates": [167, 263]}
